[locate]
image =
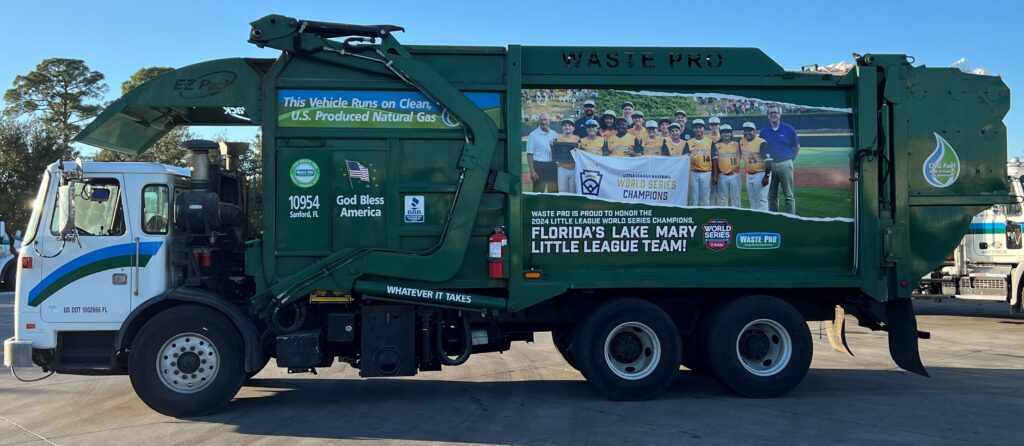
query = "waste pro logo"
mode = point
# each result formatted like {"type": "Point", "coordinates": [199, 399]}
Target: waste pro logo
{"type": "Point", "coordinates": [717, 233]}
{"type": "Point", "coordinates": [590, 180]}
{"type": "Point", "coordinates": [758, 240]}
{"type": "Point", "coordinates": [942, 167]}
{"type": "Point", "coordinates": [304, 173]}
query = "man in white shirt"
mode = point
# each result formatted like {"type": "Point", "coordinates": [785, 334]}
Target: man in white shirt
{"type": "Point", "coordinates": [543, 171]}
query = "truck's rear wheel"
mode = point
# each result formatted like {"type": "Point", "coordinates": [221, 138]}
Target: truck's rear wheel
{"type": "Point", "coordinates": [9, 277]}
{"type": "Point", "coordinates": [562, 338]}
{"type": "Point", "coordinates": [628, 349]}
{"type": "Point", "coordinates": [759, 346]}
{"type": "Point", "coordinates": [187, 361]}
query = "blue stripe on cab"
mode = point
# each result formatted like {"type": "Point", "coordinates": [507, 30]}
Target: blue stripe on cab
{"type": "Point", "coordinates": [126, 249]}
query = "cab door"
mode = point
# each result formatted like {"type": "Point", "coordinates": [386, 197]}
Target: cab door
{"type": "Point", "coordinates": [87, 280]}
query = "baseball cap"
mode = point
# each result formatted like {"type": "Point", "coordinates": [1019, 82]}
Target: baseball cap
{"type": "Point", "coordinates": [608, 113]}
{"type": "Point", "coordinates": [568, 121]}
{"type": "Point", "coordinates": [699, 122]}
{"type": "Point", "coordinates": [714, 120]}
{"type": "Point", "coordinates": [651, 124]}
{"type": "Point", "coordinates": [588, 102]}
{"type": "Point", "coordinates": [725, 128]}
{"type": "Point", "coordinates": [680, 112]}
{"type": "Point", "coordinates": [664, 121]}
{"type": "Point", "coordinates": [590, 123]}
{"type": "Point", "coordinates": [628, 103]}
{"type": "Point", "coordinates": [674, 125]}
{"type": "Point", "coordinates": [749, 125]}
{"type": "Point", "coordinates": [638, 113]}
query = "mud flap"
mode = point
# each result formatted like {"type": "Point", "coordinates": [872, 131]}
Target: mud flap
{"type": "Point", "coordinates": [902, 327]}
{"type": "Point", "coordinates": [1015, 289]}
{"type": "Point", "coordinates": [836, 331]}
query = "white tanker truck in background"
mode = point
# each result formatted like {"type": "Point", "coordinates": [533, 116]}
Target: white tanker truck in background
{"type": "Point", "coordinates": [988, 264]}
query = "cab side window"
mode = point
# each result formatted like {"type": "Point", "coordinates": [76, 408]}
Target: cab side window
{"type": "Point", "coordinates": [98, 210]}
{"type": "Point", "coordinates": [155, 205]}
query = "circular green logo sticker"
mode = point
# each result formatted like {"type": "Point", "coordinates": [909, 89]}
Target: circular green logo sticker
{"type": "Point", "coordinates": [304, 173]}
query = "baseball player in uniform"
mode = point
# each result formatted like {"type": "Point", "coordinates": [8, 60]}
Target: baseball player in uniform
{"type": "Point", "coordinates": [727, 172]}
{"type": "Point", "coordinates": [751, 147]}
{"type": "Point", "coordinates": [607, 129]}
{"type": "Point", "coordinates": [593, 143]}
{"type": "Point", "coordinates": [638, 129]}
{"type": "Point", "coordinates": [653, 144]}
{"type": "Point", "coordinates": [567, 169]}
{"type": "Point", "coordinates": [714, 132]}
{"type": "Point", "coordinates": [675, 145]}
{"type": "Point", "coordinates": [702, 153]}
{"type": "Point", "coordinates": [623, 143]}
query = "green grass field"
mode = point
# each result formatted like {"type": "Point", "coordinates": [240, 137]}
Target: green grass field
{"type": "Point", "coordinates": [828, 157]}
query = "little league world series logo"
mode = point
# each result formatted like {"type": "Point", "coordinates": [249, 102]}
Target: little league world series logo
{"type": "Point", "coordinates": [717, 233]}
{"type": "Point", "coordinates": [591, 182]}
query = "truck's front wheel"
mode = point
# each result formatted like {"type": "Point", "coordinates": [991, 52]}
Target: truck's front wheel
{"type": "Point", "coordinates": [187, 361]}
{"type": "Point", "coordinates": [629, 349]}
{"type": "Point", "coordinates": [759, 346]}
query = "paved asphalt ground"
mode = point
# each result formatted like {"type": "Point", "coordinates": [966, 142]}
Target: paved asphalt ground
{"type": "Point", "coordinates": [530, 396]}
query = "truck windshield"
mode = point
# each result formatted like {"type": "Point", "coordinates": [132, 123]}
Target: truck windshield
{"type": "Point", "coordinates": [1014, 210]}
{"type": "Point", "coordinates": [37, 209]}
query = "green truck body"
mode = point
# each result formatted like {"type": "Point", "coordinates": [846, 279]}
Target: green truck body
{"type": "Point", "coordinates": [387, 168]}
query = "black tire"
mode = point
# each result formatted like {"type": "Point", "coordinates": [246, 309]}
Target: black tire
{"type": "Point", "coordinates": [223, 347]}
{"type": "Point", "coordinates": [636, 332]}
{"type": "Point", "coordinates": [562, 338]}
{"type": "Point", "coordinates": [772, 338]}
{"type": "Point", "coordinates": [9, 277]}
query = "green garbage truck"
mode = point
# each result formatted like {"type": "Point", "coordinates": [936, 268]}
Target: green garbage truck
{"type": "Point", "coordinates": [651, 207]}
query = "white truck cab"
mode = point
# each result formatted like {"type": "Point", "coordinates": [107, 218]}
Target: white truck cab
{"type": "Point", "coordinates": [988, 264]}
{"type": "Point", "coordinates": [96, 247]}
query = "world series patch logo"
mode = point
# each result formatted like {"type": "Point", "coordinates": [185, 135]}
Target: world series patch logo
{"type": "Point", "coordinates": [717, 233]}
{"type": "Point", "coordinates": [591, 182]}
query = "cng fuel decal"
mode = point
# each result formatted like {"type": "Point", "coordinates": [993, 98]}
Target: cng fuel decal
{"type": "Point", "coordinates": [717, 233]}
{"type": "Point", "coordinates": [304, 173]}
{"type": "Point", "coordinates": [942, 167]}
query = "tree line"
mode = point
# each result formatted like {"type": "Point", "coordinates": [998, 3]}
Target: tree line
{"type": "Point", "coordinates": [45, 108]}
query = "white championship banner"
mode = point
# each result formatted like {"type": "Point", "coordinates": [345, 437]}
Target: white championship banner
{"type": "Point", "coordinates": [643, 179]}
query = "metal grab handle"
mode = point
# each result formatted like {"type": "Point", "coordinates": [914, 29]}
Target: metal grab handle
{"type": "Point", "coordinates": [138, 260]}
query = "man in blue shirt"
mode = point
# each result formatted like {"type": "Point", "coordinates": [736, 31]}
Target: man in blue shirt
{"type": "Point", "coordinates": [781, 148]}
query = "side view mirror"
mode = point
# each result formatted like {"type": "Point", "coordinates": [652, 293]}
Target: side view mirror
{"type": "Point", "coordinates": [66, 212]}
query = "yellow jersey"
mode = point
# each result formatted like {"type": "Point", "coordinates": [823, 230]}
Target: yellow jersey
{"type": "Point", "coordinates": [700, 154]}
{"type": "Point", "coordinates": [593, 145]}
{"type": "Point", "coordinates": [622, 146]}
{"type": "Point", "coordinates": [607, 133]}
{"type": "Point", "coordinates": [728, 157]}
{"type": "Point", "coordinates": [675, 148]}
{"type": "Point", "coordinates": [652, 147]}
{"type": "Point", "coordinates": [639, 133]}
{"type": "Point", "coordinates": [751, 152]}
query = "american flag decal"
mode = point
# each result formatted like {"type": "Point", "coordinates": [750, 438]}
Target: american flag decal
{"type": "Point", "coordinates": [357, 170]}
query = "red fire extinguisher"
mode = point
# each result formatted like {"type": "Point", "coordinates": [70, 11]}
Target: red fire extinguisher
{"type": "Point", "coordinates": [496, 254]}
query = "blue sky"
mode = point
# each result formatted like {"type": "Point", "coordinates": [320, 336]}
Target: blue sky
{"type": "Point", "coordinates": [118, 37]}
